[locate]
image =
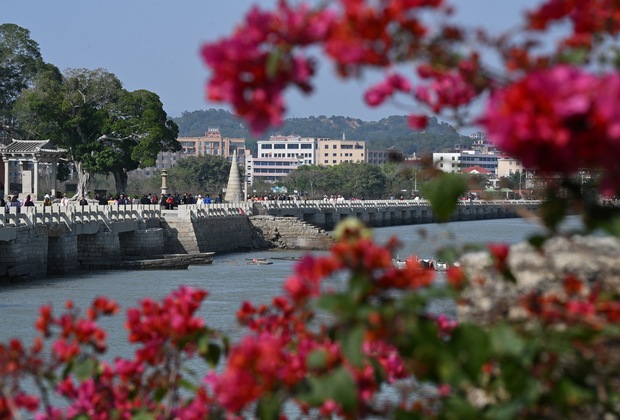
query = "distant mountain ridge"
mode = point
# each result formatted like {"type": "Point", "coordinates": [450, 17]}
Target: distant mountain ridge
{"type": "Point", "coordinates": [388, 132]}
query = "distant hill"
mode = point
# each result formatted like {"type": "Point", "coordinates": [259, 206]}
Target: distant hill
{"type": "Point", "coordinates": [387, 132]}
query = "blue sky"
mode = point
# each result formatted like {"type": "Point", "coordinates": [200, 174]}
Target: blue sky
{"type": "Point", "coordinates": [155, 44]}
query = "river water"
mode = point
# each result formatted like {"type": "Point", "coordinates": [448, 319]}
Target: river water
{"type": "Point", "coordinates": [229, 280]}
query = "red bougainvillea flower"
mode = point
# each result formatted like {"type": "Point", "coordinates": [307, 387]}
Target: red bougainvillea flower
{"type": "Point", "coordinates": [251, 69]}
{"type": "Point", "coordinates": [559, 120]}
{"type": "Point", "coordinates": [499, 253]}
{"type": "Point", "coordinates": [447, 89]}
{"type": "Point", "coordinates": [587, 18]}
{"type": "Point", "coordinates": [378, 93]}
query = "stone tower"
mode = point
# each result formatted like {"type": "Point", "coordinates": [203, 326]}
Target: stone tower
{"type": "Point", "coordinates": [234, 194]}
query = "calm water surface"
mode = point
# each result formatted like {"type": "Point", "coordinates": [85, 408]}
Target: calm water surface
{"type": "Point", "coordinates": [229, 280]}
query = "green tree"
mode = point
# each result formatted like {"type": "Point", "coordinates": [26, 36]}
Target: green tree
{"type": "Point", "coordinates": [20, 62]}
{"type": "Point", "coordinates": [206, 173]}
{"type": "Point", "coordinates": [141, 130]}
{"type": "Point", "coordinates": [310, 179]}
{"type": "Point", "coordinates": [105, 128]}
{"type": "Point", "coordinates": [360, 180]}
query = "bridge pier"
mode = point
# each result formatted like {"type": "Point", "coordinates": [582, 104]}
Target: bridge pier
{"type": "Point", "coordinates": [62, 255]}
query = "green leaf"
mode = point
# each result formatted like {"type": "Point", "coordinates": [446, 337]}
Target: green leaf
{"type": "Point", "coordinates": [553, 210]}
{"type": "Point", "coordinates": [84, 369]}
{"type": "Point", "coordinates": [505, 341]}
{"type": "Point", "coordinates": [537, 241]}
{"type": "Point", "coordinates": [611, 226]}
{"type": "Point", "coordinates": [575, 56]}
{"type": "Point", "coordinates": [352, 345]}
{"type": "Point", "coordinates": [316, 360]}
{"type": "Point", "coordinates": [273, 62]}
{"type": "Point", "coordinates": [443, 193]}
{"type": "Point", "coordinates": [159, 394]}
{"type": "Point", "coordinates": [143, 415]}
{"type": "Point", "coordinates": [210, 351]}
{"type": "Point", "coordinates": [269, 407]}
{"type": "Point", "coordinates": [337, 385]}
{"type": "Point", "coordinates": [213, 354]}
{"type": "Point", "coordinates": [459, 408]}
{"type": "Point", "coordinates": [336, 303]}
{"type": "Point", "coordinates": [569, 393]}
{"type": "Point", "coordinates": [470, 347]}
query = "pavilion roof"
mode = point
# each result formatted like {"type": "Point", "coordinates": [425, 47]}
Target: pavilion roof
{"type": "Point", "coordinates": [30, 146]}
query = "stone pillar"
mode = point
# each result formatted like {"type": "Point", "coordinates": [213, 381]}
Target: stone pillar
{"type": "Point", "coordinates": [26, 178]}
{"type": "Point", "coordinates": [54, 170]}
{"type": "Point", "coordinates": [6, 177]}
{"type": "Point", "coordinates": [35, 175]}
{"type": "Point", "coordinates": [164, 182]}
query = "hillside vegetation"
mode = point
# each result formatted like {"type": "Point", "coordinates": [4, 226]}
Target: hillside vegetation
{"type": "Point", "coordinates": [387, 132]}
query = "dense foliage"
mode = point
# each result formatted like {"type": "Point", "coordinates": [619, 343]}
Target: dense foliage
{"type": "Point", "coordinates": [20, 62]}
{"type": "Point", "coordinates": [206, 174]}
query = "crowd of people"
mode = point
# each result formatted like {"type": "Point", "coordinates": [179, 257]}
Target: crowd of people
{"type": "Point", "coordinates": [168, 201]}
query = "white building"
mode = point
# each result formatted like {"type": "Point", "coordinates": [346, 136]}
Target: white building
{"type": "Point", "coordinates": [447, 162]}
{"type": "Point", "coordinates": [278, 156]}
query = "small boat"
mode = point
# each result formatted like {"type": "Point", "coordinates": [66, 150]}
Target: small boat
{"type": "Point", "coordinates": [427, 263]}
{"type": "Point", "coordinates": [398, 263]}
{"type": "Point", "coordinates": [441, 265]}
{"type": "Point", "coordinates": [259, 261]}
{"type": "Point", "coordinates": [432, 264]}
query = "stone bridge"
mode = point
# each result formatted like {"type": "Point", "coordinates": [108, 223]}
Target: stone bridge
{"type": "Point", "coordinates": [389, 212]}
{"type": "Point", "coordinates": [41, 240]}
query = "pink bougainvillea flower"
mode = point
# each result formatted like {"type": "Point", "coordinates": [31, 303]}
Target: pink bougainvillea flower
{"type": "Point", "coordinates": [559, 120]}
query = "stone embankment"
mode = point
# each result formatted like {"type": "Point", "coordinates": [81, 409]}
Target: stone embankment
{"type": "Point", "coordinates": [238, 233]}
{"type": "Point", "coordinates": [291, 233]}
{"type": "Point", "coordinates": [592, 259]}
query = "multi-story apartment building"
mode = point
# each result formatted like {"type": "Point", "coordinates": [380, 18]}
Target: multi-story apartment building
{"type": "Point", "coordinates": [507, 166]}
{"type": "Point", "coordinates": [458, 161]}
{"type": "Point", "coordinates": [278, 156]}
{"type": "Point", "coordinates": [381, 157]}
{"type": "Point", "coordinates": [334, 152]}
{"type": "Point", "coordinates": [212, 143]}
{"type": "Point", "coordinates": [471, 158]}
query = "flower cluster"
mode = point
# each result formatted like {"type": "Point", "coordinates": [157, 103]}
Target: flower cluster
{"type": "Point", "coordinates": [252, 68]}
{"type": "Point", "coordinates": [588, 19]}
{"type": "Point", "coordinates": [329, 351]}
{"type": "Point", "coordinates": [559, 120]}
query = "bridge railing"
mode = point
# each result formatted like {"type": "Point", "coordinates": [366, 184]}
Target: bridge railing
{"type": "Point", "coordinates": [57, 214]}
{"type": "Point", "coordinates": [215, 210]}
